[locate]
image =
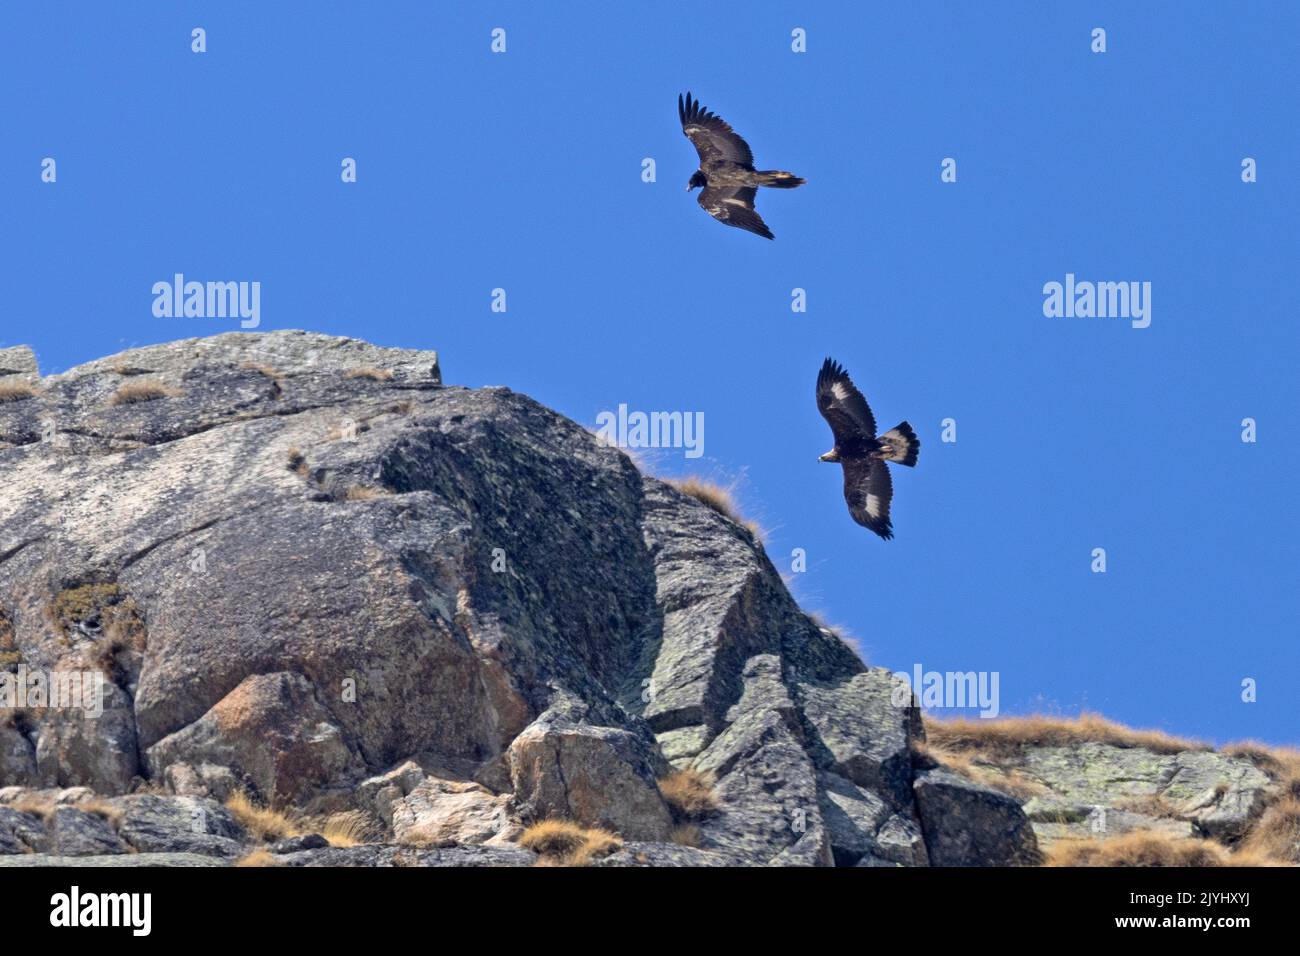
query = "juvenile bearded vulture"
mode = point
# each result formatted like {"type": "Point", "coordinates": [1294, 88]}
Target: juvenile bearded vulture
{"type": "Point", "coordinates": [727, 169]}
{"type": "Point", "coordinates": [867, 486]}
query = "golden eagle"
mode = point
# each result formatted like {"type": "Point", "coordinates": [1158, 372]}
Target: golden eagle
{"type": "Point", "coordinates": [867, 486]}
{"type": "Point", "coordinates": [727, 170]}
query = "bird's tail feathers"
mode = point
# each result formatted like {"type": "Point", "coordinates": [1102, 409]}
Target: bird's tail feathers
{"type": "Point", "coordinates": [779, 179]}
{"type": "Point", "coordinates": [901, 445]}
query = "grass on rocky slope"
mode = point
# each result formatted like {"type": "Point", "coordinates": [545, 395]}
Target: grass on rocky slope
{"type": "Point", "coordinates": [999, 740]}
{"type": "Point", "coordinates": [1276, 834]}
{"type": "Point", "coordinates": [988, 751]}
{"type": "Point", "coordinates": [374, 374]}
{"type": "Point", "coordinates": [15, 392]}
{"type": "Point", "coordinates": [718, 498]}
{"type": "Point", "coordinates": [1008, 780]}
{"type": "Point", "coordinates": [259, 858]}
{"type": "Point", "coordinates": [136, 392]}
{"type": "Point", "coordinates": [349, 828]}
{"type": "Point", "coordinates": [689, 795]}
{"type": "Point", "coordinates": [1149, 848]}
{"type": "Point", "coordinates": [264, 823]}
{"type": "Point", "coordinates": [565, 843]}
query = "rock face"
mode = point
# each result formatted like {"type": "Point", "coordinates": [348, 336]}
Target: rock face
{"type": "Point", "coordinates": [311, 572]}
{"type": "Point", "coordinates": [966, 824]}
{"type": "Point", "coordinates": [1090, 789]}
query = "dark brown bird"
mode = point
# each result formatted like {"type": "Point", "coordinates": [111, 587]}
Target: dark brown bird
{"type": "Point", "coordinates": [867, 485]}
{"type": "Point", "coordinates": [727, 174]}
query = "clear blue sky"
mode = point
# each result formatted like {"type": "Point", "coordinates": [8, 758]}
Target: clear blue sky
{"type": "Point", "coordinates": [522, 171]}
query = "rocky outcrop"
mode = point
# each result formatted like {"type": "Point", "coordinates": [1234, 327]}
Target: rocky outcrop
{"type": "Point", "coordinates": [1095, 788]}
{"type": "Point", "coordinates": [311, 572]}
{"type": "Point", "coordinates": [1082, 782]}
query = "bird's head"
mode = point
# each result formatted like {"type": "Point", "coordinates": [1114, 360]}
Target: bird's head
{"type": "Point", "coordinates": [697, 179]}
{"type": "Point", "coordinates": [832, 455]}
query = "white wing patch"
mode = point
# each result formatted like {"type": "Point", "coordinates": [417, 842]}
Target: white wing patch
{"type": "Point", "coordinates": [840, 391]}
{"type": "Point", "coordinates": [875, 505]}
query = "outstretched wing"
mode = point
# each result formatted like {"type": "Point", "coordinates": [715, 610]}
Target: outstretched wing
{"type": "Point", "coordinates": [713, 137]}
{"type": "Point", "coordinates": [843, 406]}
{"type": "Point", "coordinates": [734, 206]}
{"type": "Point", "coordinates": [868, 491]}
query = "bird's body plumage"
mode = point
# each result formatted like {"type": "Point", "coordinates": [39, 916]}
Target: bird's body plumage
{"type": "Point", "coordinates": [727, 174]}
{"type": "Point", "coordinates": [868, 488]}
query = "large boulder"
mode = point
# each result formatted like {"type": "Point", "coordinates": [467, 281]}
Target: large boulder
{"type": "Point", "coordinates": [766, 782]}
{"type": "Point", "coordinates": [968, 824]}
{"type": "Point", "coordinates": [274, 728]}
{"type": "Point", "coordinates": [1181, 793]}
{"type": "Point", "coordinates": [596, 776]}
{"type": "Point", "coordinates": [74, 832]}
{"type": "Point", "coordinates": [154, 824]}
{"type": "Point", "coordinates": [445, 812]}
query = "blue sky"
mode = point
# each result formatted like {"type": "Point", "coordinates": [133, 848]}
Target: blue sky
{"type": "Point", "coordinates": [522, 171]}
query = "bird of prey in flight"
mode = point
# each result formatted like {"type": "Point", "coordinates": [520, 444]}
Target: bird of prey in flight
{"type": "Point", "coordinates": [727, 170]}
{"type": "Point", "coordinates": [867, 486]}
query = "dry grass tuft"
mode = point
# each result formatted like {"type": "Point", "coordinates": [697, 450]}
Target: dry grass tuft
{"type": "Point", "coordinates": [259, 858]}
{"type": "Point", "coordinates": [565, 843]}
{"type": "Point", "coordinates": [264, 823]}
{"type": "Point", "coordinates": [16, 392]}
{"type": "Point", "coordinates": [1147, 848]}
{"type": "Point", "coordinates": [137, 392]}
{"type": "Point", "coordinates": [1151, 805]}
{"type": "Point", "coordinates": [688, 834]}
{"type": "Point", "coordinates": [102, 809]}
{"type": "Point", "coordinates": [374, 374]}
{"type": "Point", "coordinates": [1276, 834]}
{"type": "Point", "coordinates": [718, 498]}
{"type": "Point", "coordinates": [36, 806]}
{"type": "Point", "coordinates": [266, 370]}
{"type": "Point", "coordinates": [350, 828]}
{"type": "Point", "coordinates": [1000, 740]}
{"type": "Point", "coordinates": [364, 493]}
{"type": "Point", "coordinates": [689, 794]}
{"type": "Point", "coordinates": [1282, 764]}
{"type": "Point", "coordinates": [1011, 782]}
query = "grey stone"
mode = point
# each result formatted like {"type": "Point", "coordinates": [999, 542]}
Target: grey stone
{"type": "Point", "coordinates": [20, 832]}
{"type": "Point", "coordinates": [375, 855]}
{"type": "Point", "coordinates": [597, 776]}
{"type": "Point", "coordinates": [769, 807]}
{"type": "Point", "coordinates": [861, 733]}
{"type": "Point", "coordinates": [156, 824]}
{"type": "Point", "coordinates": [441, 812]}
{"type": "Point", "coordinates": [114, 860]}
{"type": "Point", "coordinates": [967, 824]}
{"type": "Point", "coordinates": [74, 832]}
